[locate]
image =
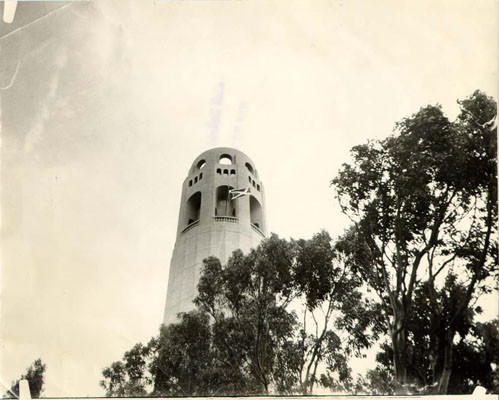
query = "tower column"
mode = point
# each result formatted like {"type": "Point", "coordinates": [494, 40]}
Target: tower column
{"type": "Point", "coordinates": [239, 224]}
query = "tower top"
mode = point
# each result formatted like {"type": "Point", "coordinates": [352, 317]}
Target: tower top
{"type": "Point", "coordinates": [223, 156]}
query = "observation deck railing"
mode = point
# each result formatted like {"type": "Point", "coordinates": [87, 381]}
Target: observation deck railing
{"type": "Point", "coordinates": [257, 229]}
{"type": "Point", "coordinates": [225, 218]}
{"type": "Point", "coordinates": [190, 226]}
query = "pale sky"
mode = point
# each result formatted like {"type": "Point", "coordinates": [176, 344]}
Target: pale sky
{"type": "Point", "coordinates": [104, 106]}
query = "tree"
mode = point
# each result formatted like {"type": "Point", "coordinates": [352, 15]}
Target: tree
{"type": "Point", "coordinates": [35, 377]}
{"type": "Point", "coordinates": [130, 377]}
{"type": "Point", "coordinates": [378, 382]}
{"type": "Point", "coordinates": [253, 302]}
{"type": "Point", "coordinates": [337, 320]}
{"type": "Point", "coordinates": [475, 357]}
{"type": "Point", "coordinates": [247, 301]}
{"type": "Point", "coordinates": [184, 357]}
{"type": "Point", "coordinates": [189, 361]}
{"type": "Point", "coordinates": [245, 337]}
{"type": "Point", "coordinates": [475, 346]}
{"type": "Point", "coordinates": [423, 203]}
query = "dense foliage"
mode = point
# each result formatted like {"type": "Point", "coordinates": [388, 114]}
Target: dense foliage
{"type": "Point", "coordinates": [475, 356]}
{"type": "Point", "coordinates": [424, 207]}
{"type": "Point", "coordinates": [245, 336]}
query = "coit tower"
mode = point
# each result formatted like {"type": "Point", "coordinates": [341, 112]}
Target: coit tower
{"type": "Point", "coordinates": [222, 209]}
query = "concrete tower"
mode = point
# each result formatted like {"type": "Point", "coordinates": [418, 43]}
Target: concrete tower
{"type": "Point", "coordinates": [213, 221]}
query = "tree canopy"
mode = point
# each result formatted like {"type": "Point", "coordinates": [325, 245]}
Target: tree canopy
{"type": "Point", "coordinates": [245, 335]}
{"type": "Point", "coordinates": [423, 203]}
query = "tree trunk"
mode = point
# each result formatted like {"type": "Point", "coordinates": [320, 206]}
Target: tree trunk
{"type": "Point", "coordinates": [443, 383]}
{"type": "Point", "coordinates": [304, 388]}
{"type": "Point", "coordinates": [398, 336]}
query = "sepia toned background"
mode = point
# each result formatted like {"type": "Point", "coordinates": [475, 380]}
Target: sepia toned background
{"type": "Point", "coordinates": [103, 107]}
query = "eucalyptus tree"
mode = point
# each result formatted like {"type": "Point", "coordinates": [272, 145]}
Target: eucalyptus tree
{"type": "Point", "coordinates": [254, 301]}
{"type": "Point", "coordinates": [245, 337]}
{"type": "Point", "coordinates": [337, 320]}
{"type": "Point", "coordinates": [247, 300]}
{"type": "Point", "coordinates": [130, 377]}
{"type": "Point", "coordinates": [423, 204]}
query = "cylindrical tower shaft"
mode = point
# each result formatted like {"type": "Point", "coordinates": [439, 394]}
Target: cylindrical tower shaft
{"type": "Point", "coordinates": [222, 209]}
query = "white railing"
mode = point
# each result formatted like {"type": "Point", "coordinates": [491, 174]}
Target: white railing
{"type": "Point", "coordinates": [257, 229]}
{"type": "Point", "coordinates": [234, 220]}
{"type": "Point", "coordinates": [190, 226]}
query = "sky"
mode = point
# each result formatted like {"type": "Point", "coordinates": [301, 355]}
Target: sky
{"type": "Point", "coordinates": [104, 106]}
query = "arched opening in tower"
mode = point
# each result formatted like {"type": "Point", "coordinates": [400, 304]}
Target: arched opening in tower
{"type": "Point", "coordinates": [256, 214]}
{"type": "Point", "coordinates": [193, 208]}
{"type": "Point", "coordinates": [225, 206]}
{"type": "Point", "coordinates": [225, 159]}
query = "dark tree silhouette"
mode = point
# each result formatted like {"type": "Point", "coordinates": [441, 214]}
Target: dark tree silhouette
{"type": "Point", "coordinates": [35, 377]}
{"type": "Point", "coordinates": [424, 207]}
{"type": "Point", "coordinates": [244, 336]}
